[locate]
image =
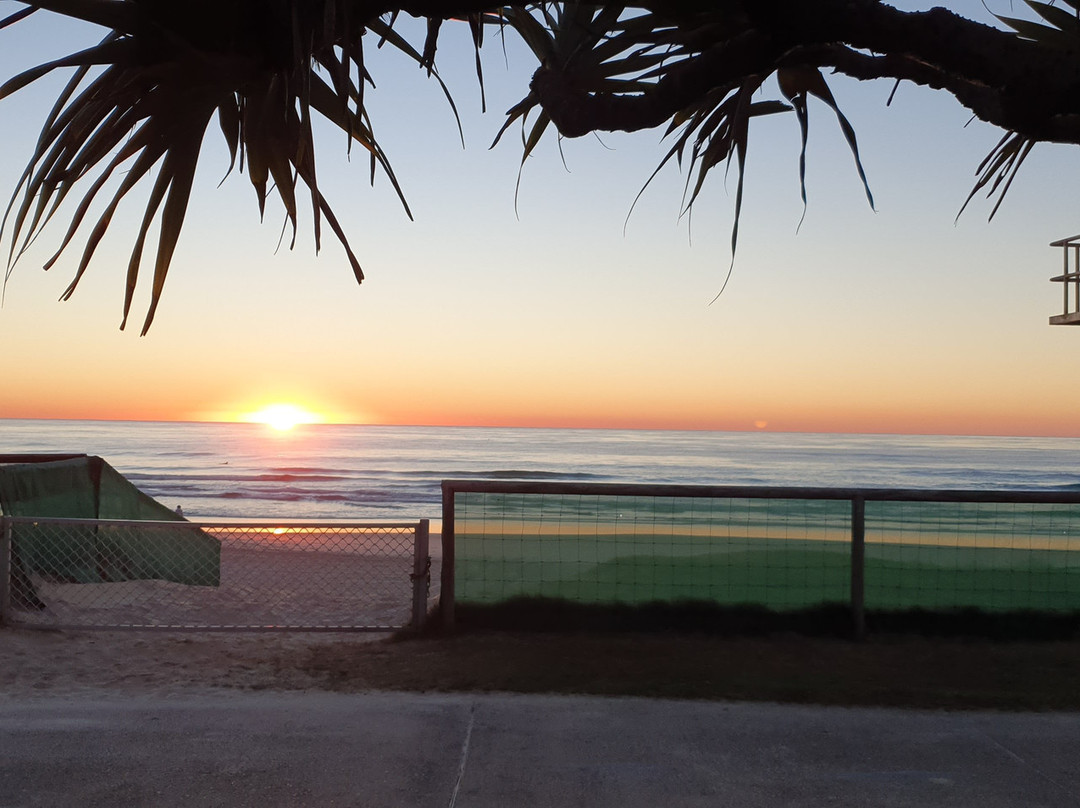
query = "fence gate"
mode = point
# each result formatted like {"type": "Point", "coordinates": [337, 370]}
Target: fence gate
{"type": "Point", "coordinates": [74, 573]}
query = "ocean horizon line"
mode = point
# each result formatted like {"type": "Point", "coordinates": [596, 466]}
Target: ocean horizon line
{"type": "Point", "coordinates": [509, 427]}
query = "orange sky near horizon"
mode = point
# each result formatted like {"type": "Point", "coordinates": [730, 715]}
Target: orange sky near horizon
{"type": "Point", "coordinates": [902, 320]}
{"type": "Point", "coordinates": [148, 399]}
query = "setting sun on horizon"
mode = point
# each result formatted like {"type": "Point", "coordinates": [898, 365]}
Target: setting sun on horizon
{"type": "Point", "coordinates": [282, 417]}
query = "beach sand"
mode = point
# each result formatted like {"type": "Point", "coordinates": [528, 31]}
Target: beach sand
{"type": "Point", "coordinates": [49, 663]}
{"type": "Point", "coordinates": [259, 587]}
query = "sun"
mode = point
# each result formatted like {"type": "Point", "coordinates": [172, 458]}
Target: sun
{"type": "Point", "coordinates": [282, 417]}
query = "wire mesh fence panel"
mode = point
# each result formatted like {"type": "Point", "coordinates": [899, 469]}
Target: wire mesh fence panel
{"type": "Point", "coordinates": [786, 550]}
{"type": "Point", "coordinates": [111, 574]}
{"type": "Point", "coordinates": [601, 548]}
{"type": "Point", "coordinates": [991, 556]}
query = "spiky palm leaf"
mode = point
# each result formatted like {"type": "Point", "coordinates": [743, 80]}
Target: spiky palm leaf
{"type": "Point", "coordinates": [578, 39]}
{"type": "Point", "coordinates": [797, 86]}
{"type": "Point", "coordinates": [264, 68]}
{"type": "Point", "coordinates": [606, 52]}
{"type": "Point", "coordinates": [999, 168]}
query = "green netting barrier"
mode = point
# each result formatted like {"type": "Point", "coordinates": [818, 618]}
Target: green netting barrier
{"type": "Point", "coordinates": [783, 550]}
{"type": "Point", "coordinates": [84, 487]}
{"type": "Point", "coordinates": [990, 556]}
{"type": "Point", "coordinates": [782, 554]}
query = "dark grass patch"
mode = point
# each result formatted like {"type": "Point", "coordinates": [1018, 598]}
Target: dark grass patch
{"type": "Point", "coordinates": [1017, 625]}
{"type": "Point", "coordinates": [703, 617]}
{"type": "Point", "coordinates": [894, 671]}
{"type": "Point", "coordinates": [554, 614]}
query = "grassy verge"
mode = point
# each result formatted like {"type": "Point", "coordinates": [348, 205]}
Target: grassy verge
{"type": "Point", "coordinates": [954, 660]}
{"type": "Point", "coordinates": [827, 620]}
{"type": "Point", "coordinates": [897, 671]}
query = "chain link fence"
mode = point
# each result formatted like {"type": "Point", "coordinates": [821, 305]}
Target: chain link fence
{"type": "Point", "coordinates": [71, 573]}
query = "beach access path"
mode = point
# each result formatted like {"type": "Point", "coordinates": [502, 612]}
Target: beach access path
{"type": "Point", "coordinates": [95, 747]}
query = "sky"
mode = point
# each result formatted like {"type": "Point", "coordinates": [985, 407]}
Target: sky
{"type": "Point", "coordinates": [559, 311]}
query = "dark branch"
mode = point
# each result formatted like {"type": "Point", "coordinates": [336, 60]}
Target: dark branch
{"type": "Point", "coordinates": [1005, 80]}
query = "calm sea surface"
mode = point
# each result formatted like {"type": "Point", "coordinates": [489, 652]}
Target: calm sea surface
{"type": "Point", "coordinates": [381, 472]}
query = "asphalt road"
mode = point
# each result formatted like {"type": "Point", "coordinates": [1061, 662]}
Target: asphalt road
{"type": "Point", "coordinates": [499, 751]}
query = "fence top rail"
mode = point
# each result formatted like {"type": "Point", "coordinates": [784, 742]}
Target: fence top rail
{"type": "Point", "coordinates": [1069, 497]}
{"type": "Point", "coordinates": [238, 524]}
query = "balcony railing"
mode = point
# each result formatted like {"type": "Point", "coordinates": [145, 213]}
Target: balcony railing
{"type": "Point", "coordinates": [1069, 279]}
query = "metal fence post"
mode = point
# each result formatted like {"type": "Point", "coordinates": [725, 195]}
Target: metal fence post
{"type": "Point", "coordinates": [5, 570]}
{"type": "Point", "coordinates": [421, 576]}
{"type": "Point", "coordinates": [858, 566]}
{"type": "Point", "coordinates": [446, 587]}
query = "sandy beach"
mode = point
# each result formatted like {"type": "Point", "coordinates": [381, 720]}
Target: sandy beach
{"type": "Point", "coordinates": [259, 586]}
{"type": "Point", "coordinates": [41, 662]}
{"type": "Point", "coordinates": [288, 584]}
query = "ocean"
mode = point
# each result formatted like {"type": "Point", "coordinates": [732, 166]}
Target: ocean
{"type": "Point", "coordinates": [332, 472]}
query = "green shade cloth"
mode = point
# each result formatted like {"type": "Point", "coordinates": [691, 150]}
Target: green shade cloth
{"type": "Point", "coordinates": [86, 487]}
